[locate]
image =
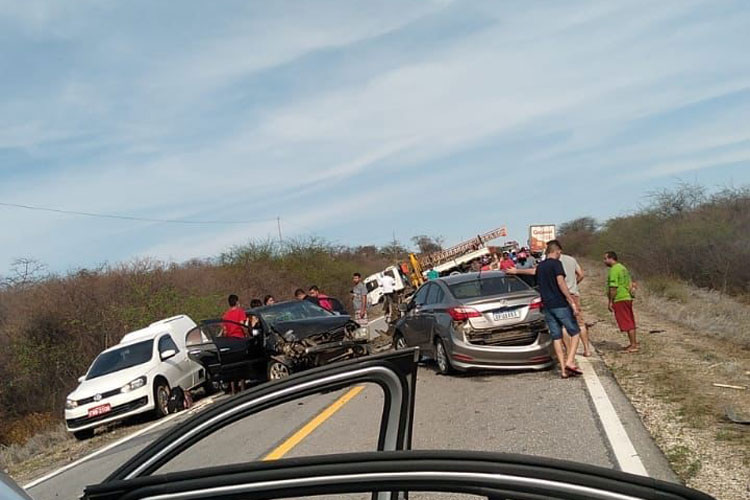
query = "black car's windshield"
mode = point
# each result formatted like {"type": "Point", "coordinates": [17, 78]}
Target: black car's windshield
{"type": "Point", "coordinates": [290, 311]}
{"type": "Point", "coordinates": [487, 287]}
{"type": "Point", "coordinates": [119, 359]}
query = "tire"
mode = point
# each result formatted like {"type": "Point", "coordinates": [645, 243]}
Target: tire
{"type": "Point", "coordinates": [84, 434]}
{"type": "Point", "coordinates": [399, 342]}
{"type": "Point", "coordinates": [441, 358]}
{"type": "Point", "coordinates": [161, 398]}
{"type": "Point", "coordinates": [278, 370]}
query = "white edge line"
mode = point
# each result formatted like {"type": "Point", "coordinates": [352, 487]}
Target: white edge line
{"type": "Point", "coordinates": [625, 453]}
{"type": "Point", "coordinates": [117, 443]}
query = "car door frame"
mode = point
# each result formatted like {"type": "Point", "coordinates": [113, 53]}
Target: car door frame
{"type": "Point", "coordinates": [433, 312]}
{"type": "Point", "coordinates": [412, 324]}
{"type": "Point", "coordinates": [174, 369]}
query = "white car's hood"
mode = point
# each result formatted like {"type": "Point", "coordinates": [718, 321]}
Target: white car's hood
{"type": "Point", "coordinates": [108, 382]}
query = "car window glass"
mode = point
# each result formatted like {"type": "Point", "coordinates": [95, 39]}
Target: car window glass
{"type": "Point", "coordinates": [435, 295]}
{"type": "Point", "coordinates": [119, 359]}
{"type": "Point", "coordinates": [166, 343]}
{"type": "Point", "coordinates": [487, 287]}
{"type": "Point", "coordinates": [197, 336]}
{"type": "Point", "coordinates": [290, 311]}
{"type": "Point", "coordinates": [270, 434]}
{"type": "Point", "coordinates": [421, 296]}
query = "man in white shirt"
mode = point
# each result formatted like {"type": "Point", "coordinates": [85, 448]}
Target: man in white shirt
{"type": "Point", "coordinates": [388, 285]}
{"type": "Point", "coordinates": [573, 276]}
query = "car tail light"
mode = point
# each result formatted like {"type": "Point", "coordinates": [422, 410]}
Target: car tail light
{"type": "Point", "coordinates": [536, 304]}
{"type": "Point", "coordinates": [463, 313]}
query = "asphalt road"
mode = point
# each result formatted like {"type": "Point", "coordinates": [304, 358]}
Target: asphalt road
{"type": "Point", "coordinates": [533, 413]}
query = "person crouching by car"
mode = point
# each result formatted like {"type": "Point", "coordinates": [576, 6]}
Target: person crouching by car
{"type": "Point", "coordinates": [235, 326]}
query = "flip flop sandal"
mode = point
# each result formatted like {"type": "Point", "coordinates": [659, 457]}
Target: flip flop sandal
{"type": "Point", "coordinates": [574, 370]}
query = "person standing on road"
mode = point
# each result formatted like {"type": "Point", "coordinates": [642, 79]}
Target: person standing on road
{"type": "Point", "coordinates": [233, 318]}
{"type": "Point", "coordinates": [507, 262]}
{"type": "Point", "coordinates": [527, 264]}
{"type": "Point", "coordinates": [269, 300]}
{"type": "Point", "coordinates": [559, 308]}
{"type": "Point", "coordinates": [573, 276]}
{"type": "Point", "coordinates": [388, 284]}
{"type": "Point", "coordinates": [359, 298]}
{"type": "Point", "coordinates": [322, 298]}
{"type": "Point", "coordinates": [620, 288]}
{"type": "Point", "coordinates": [432, 274]}
{"type": "Point", "coordinates": [235, 326]}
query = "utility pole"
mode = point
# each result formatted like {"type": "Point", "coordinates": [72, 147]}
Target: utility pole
{"type": "Point", "coordinates": [278, 224]}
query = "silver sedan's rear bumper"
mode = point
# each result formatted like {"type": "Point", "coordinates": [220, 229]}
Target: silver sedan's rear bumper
{"type": "Point", "coordinates": [466, 356]}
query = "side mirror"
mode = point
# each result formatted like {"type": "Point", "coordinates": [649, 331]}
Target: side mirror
{"type": "Point", "coordinates": [169, 353]}
{"type": "Point", "coordinates": [81, 378]}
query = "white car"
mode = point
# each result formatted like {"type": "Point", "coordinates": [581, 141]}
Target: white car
{"type": "Point", "coordinates": [134, 376]}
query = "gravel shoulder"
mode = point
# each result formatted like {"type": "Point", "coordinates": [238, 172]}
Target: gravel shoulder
{"type": "Point", "coordinates": [670, 382]}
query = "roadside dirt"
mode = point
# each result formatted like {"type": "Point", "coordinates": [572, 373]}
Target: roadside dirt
{"type": "Point", "coordinates": [670, 383]}
{"type": "Point", "coordinates": [56, 448]}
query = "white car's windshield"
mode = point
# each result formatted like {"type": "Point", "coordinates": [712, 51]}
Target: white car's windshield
{"type": "Point", "coordinates": [119, 359]}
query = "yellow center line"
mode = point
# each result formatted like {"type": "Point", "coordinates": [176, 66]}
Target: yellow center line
{"type": "Point", "coordinates": [313, 424]}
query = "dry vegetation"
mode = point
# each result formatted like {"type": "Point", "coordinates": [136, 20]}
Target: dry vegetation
{"type": "Point", "coordinates": [670, 381]}
{"type": "Point", "coordinates": [51, 327]}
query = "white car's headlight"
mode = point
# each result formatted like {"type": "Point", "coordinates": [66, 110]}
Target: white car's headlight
{"type": "Point", "coordinates": [70, 404]}
{"type": "Point", "coordinates": [135, 384]}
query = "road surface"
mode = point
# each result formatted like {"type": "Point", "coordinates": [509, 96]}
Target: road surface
{"type": "Point", "coordinates": [533, 413]}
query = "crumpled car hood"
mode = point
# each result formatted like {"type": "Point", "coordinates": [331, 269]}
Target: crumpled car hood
{"type": "Point", "coordinates": [304, 328]}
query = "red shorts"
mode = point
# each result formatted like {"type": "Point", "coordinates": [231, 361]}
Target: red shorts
{"type": "Point", "coordinates": [624, 315]}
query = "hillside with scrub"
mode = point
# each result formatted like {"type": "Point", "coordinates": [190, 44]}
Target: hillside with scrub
{"type": "Point", "coordinates": [689, 382]}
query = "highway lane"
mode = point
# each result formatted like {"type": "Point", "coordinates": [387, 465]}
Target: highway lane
{"type": "Point", "coordinates": [532, 413]}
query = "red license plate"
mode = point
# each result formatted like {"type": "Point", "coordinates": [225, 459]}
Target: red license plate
{"type": "Point", "coordinates": [100, 410]}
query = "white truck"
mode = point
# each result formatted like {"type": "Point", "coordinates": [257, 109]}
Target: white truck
{"type": "Point", "coordinates": [135, 376]}
{"type": "Point", "coordinates": [374, 290]}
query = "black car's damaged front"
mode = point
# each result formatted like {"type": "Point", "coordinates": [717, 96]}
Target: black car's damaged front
{"type": "Point", "coordinates": [300, 335]}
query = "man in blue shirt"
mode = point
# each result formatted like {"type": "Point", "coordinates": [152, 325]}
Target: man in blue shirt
{"type": "Point", "coordinates": [559, 308]}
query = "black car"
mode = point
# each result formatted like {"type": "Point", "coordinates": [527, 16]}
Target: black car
{"type": "Point", "coordinates": [288, 337]}
{"type": "Point", "coordinates": [391, 472]}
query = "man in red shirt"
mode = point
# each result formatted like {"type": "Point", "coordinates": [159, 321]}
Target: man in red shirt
{"type": "Point", "coordinates": [321, 297]}
{"type": "Point", "coordinates": [235, 314]}
{"type": "Point", "coordinates": [507, 263]}
{"type": "Point", "coordinates": [233, 319]}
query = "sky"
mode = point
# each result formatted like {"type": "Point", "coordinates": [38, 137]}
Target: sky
{"type": "Point", "coordinates": [354, 121]}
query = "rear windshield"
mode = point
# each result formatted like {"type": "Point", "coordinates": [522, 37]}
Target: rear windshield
{"type": "Point", "coordinates": [487, 287]}
{"type": "Point", "coordinates": [119, 359]}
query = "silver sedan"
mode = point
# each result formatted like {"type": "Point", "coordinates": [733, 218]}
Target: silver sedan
{"type": "Point", "coordinates": [486, 320]}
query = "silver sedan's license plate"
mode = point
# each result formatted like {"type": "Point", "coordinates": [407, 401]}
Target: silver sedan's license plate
{"type": "Point", "coordinates": [511, 314]}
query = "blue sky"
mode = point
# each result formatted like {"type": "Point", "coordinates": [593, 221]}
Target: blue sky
{"type": "Point", "coordinates": [352, 120]}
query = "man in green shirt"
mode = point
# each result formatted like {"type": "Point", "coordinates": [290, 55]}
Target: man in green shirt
{"type": "Point", "coordinates": [620, 294]}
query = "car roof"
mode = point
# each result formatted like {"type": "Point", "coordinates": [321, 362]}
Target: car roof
{"type": "Point", "coordinates": [151, 331]}
{"type": "Point", "coordinates": [463, 278]}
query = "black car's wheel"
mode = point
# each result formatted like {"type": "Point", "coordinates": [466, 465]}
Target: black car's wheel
{"type": "Point", "coordinates": [278, 370]}
{"type": "Point", "coordinates": [441, 358]}
{"type": "Point", "coordinates": [84, 434]}
{"type": "Point", "coordinates": [161, 398]}
{"type": "Point", "coordinates": [399, 342]}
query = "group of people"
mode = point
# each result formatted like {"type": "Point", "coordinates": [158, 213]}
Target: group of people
{"type": "Point", "coordinates": [558, 277]}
